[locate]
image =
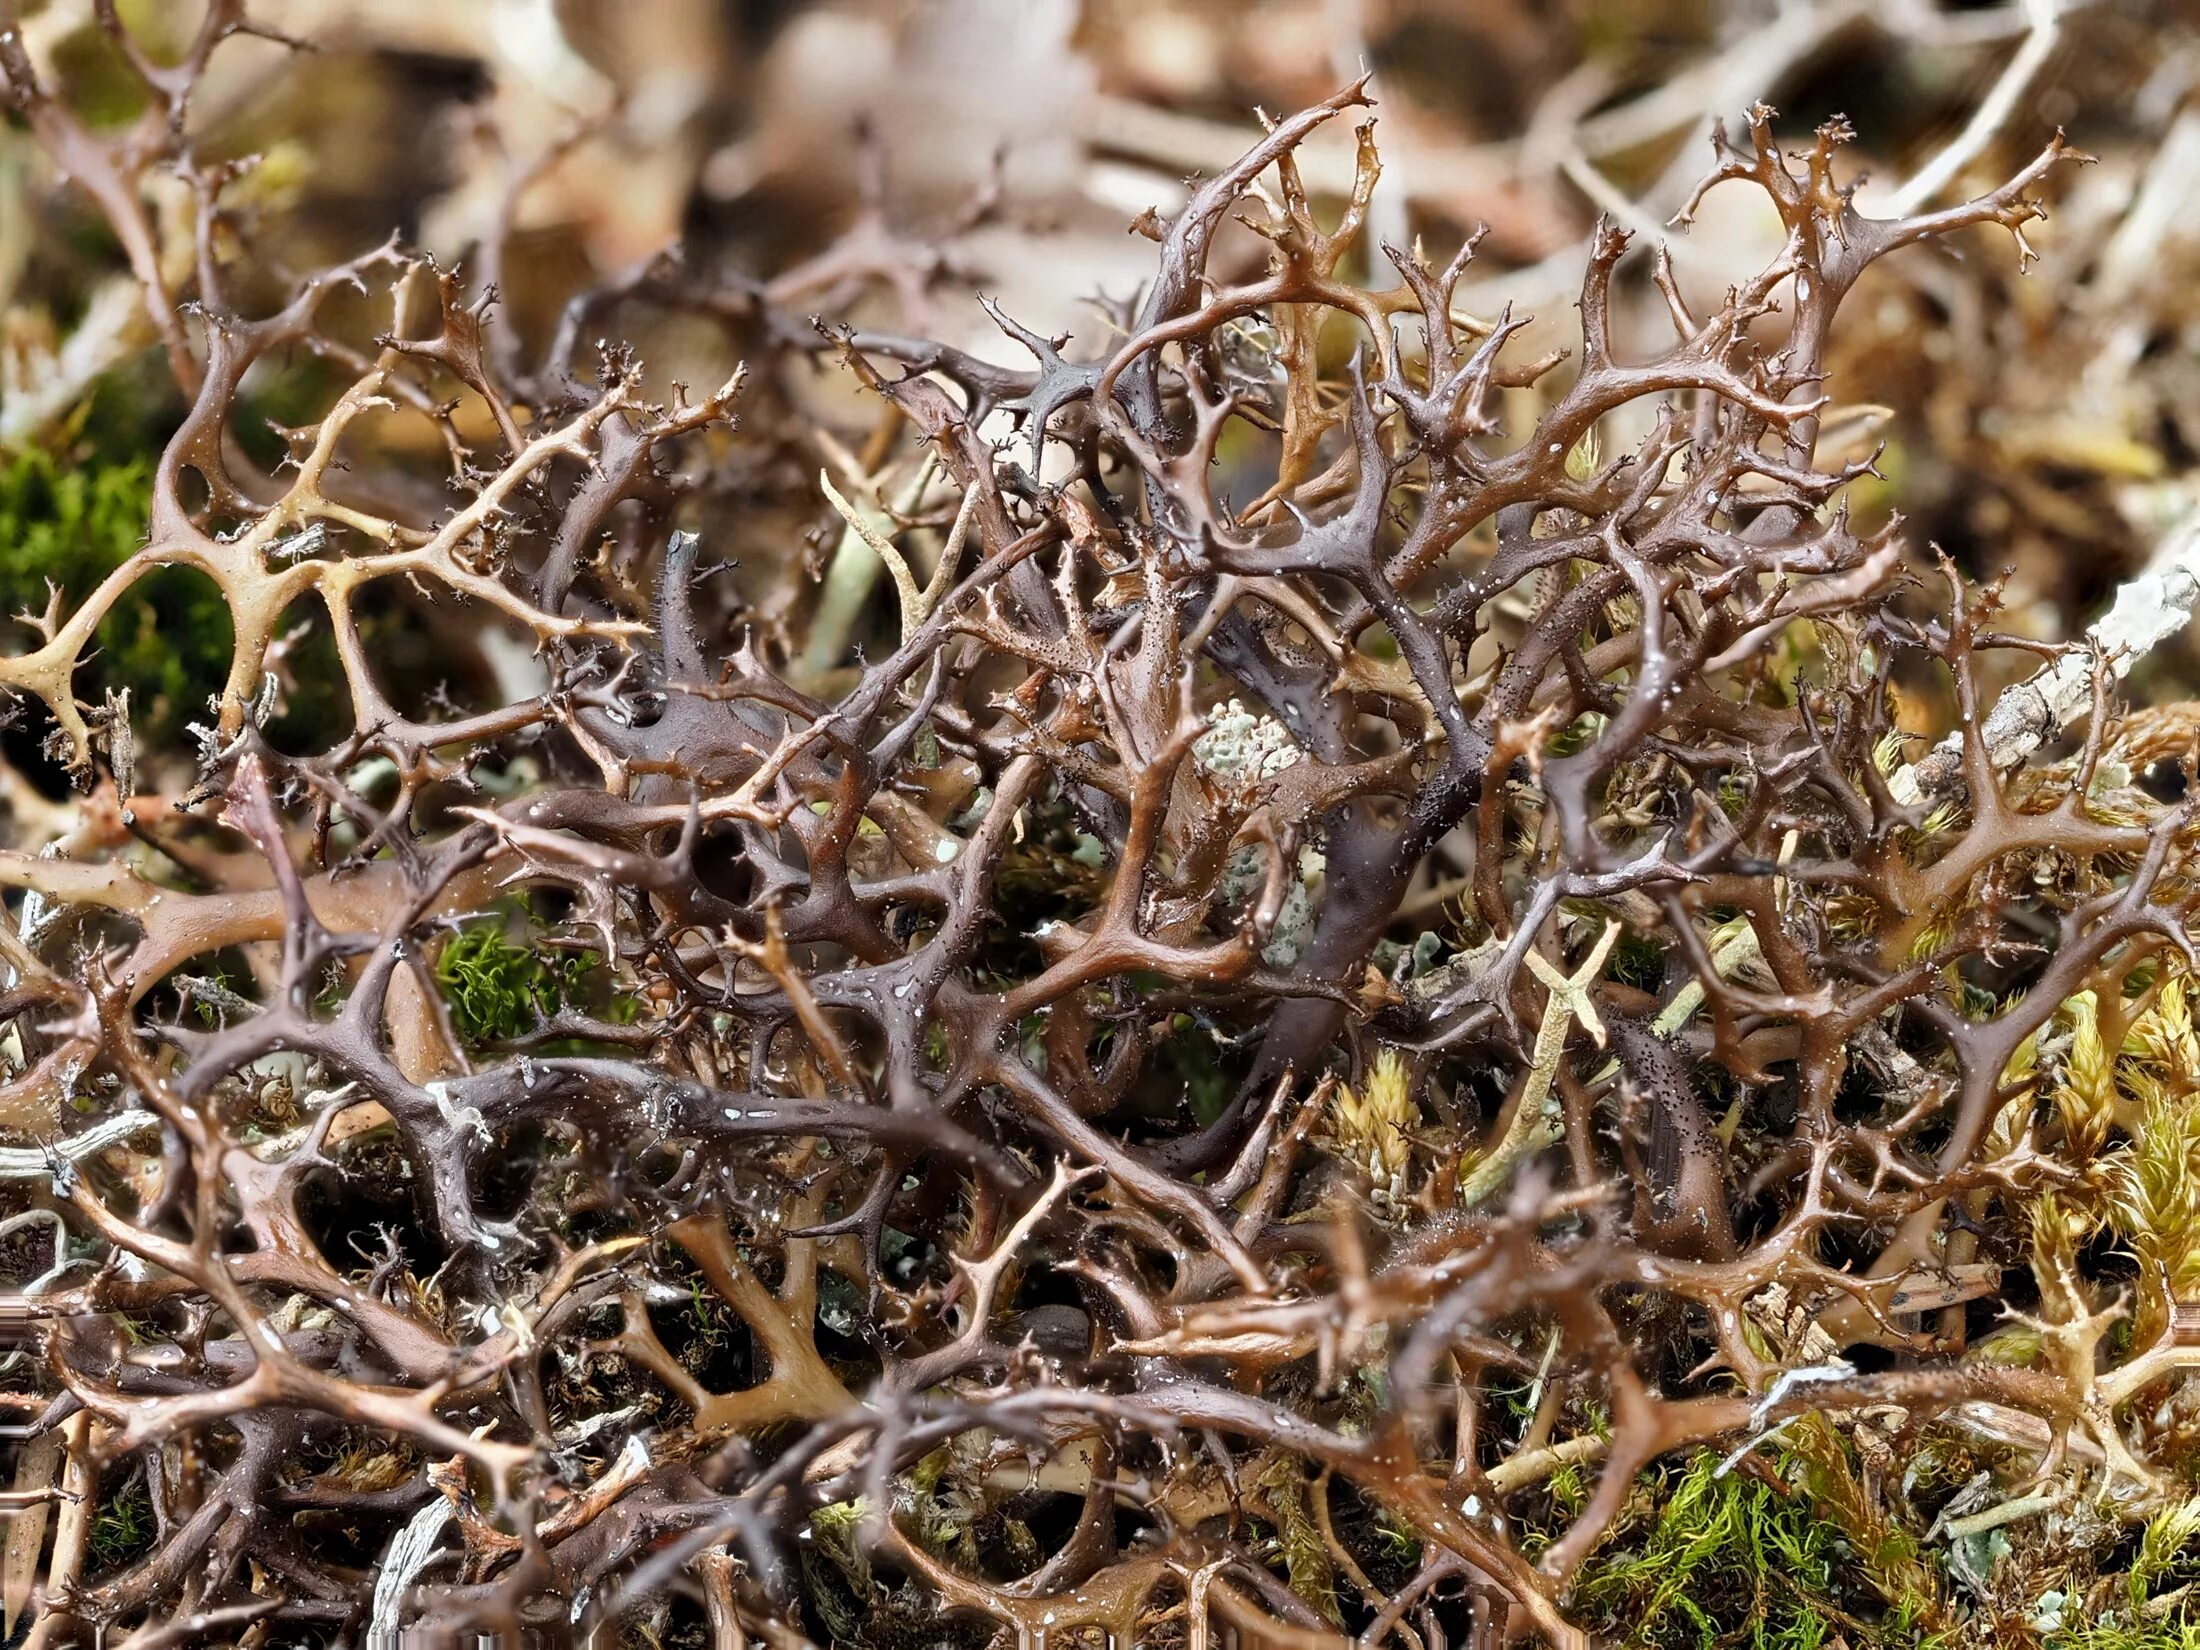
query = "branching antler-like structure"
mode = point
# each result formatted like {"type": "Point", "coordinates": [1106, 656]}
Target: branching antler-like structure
{"type": "Point", "coordinates": [707, 1127]}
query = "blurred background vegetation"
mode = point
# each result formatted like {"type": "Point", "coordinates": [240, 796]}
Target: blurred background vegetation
{"type": "Point", "coordinates": [2043, 425]}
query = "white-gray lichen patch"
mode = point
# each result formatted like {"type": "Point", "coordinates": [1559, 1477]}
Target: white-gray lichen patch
{"type": "Point", "coordinates": [1241, 884]}
{"type": "Point", "coordinates": [1241, 745]}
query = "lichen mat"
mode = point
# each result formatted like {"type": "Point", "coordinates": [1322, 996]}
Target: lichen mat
{"type": "Point", "coordinates": [942, 1114]}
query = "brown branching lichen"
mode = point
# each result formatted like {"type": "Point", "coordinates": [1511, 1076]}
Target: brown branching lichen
{"type": "Point", "coordinates": [848, 1193]}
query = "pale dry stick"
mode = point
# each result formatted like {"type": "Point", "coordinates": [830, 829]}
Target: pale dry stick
{"type": "Point", "coordinates": [72, 1531]}
{"type": "Point", "coordinates": [1533, 1466]}
{"type": "Point", "coordinates": [2044, 28]}
{"type": "Point", "coordinates": [716, 1566]}
{"type": "Point", "coordinates": [44, 1162]}
{"type": "Point", "coordinates": [1751, 70]}
{"type": "Point", "coordinates": [2005, 1512]}
{"type": "Point", "coordinates": [1735, 75]}
{"type": "Point", "coordinates": [2161, 211]}
{"type": "Point", "coordinates": [855, 566]}
{"type": "Point", "coordinates": [1633, 216]}
{"type": "Point", "coordinates": [113, 328]}
{"type": "Point", "coordinates": [916, 604]}
{"type": "Point", "coordinates": [1532, 1126]}
{"type": "Point", "coordinates": [409, 1552]}
{"type": "Point", "coordinates": [1747, 71]}
{"type": "Point", "coordinates": [36, 1469]}
{"type": "Point", "coordinates": [2146, 612]}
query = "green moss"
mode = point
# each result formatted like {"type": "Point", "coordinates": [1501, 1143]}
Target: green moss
{"type": "Point", "coordinates": [2165, 1553]}
{"type": "Point", "coordinates": [499, 989]}
{"type": "Point", "coordinates": [1576, 735]}
{"type": "Point", "coordinates": [837, 1573]}
{"type": "Point", "coordinates": [858, 1609]}
{"type": "Point", "coordinates": [2110, 1633]}
{"type": "Point", "coordinates": [1637, 961]}
{"type": "Point", "coordinates": [1280, 1486]}
{"type": "Point", "coordinates": [1724, 1560]}
{"type": "Point", "coordinates": [123, 1527]}
{"type": "Point", "coordinates": [98, 83]}
{"type": "Point", "coordinates": [167, 640]}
